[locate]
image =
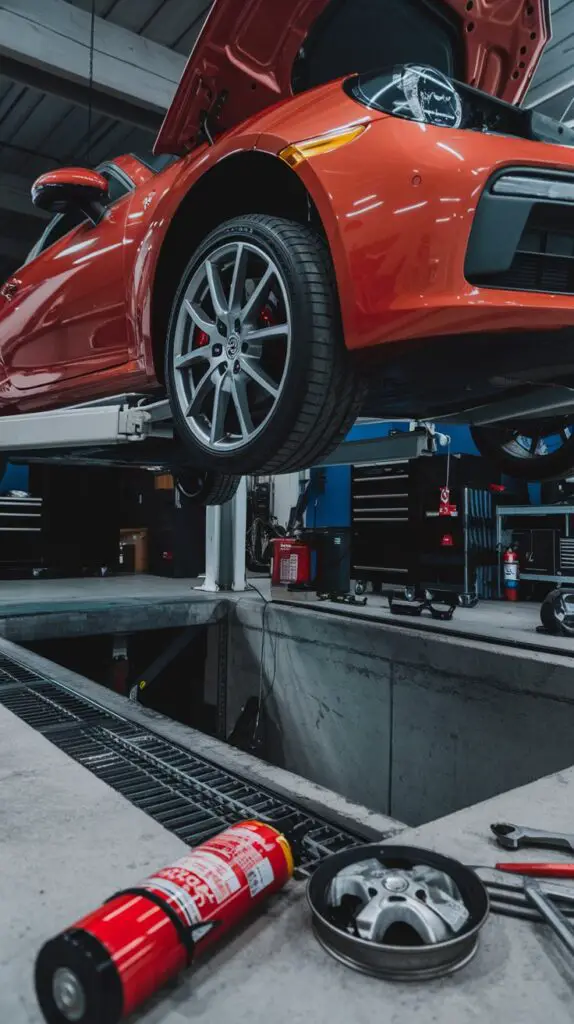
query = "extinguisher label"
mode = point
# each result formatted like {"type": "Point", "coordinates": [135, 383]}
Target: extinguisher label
{"type": "Point", "coordinates": [239, 863]}
{"type": "Point", "coordinates": [195, 884]}
{"type": "Point", "coordinates": [511, 571]}
{"type": "Point", "coordinates": [221, 878]}
{"type": "Point", "coordinates": [259, 877]}
{"type": "Point", "coordinates": [177, 895]}
{"type": "Point", "coordinates": [204, 868]}
{"type": "Point", "coordinates": [289, 569]}
{"type": "Point", "coordinates": [242, 847]}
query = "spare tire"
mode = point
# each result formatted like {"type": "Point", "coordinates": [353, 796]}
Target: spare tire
{"type": "Point", "coordinates": [534, 452]}
{"type": "Point", "coordinates": [557, 613]}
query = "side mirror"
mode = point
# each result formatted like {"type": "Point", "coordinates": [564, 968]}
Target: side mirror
{"type": "Point", "coordinates": [71, 188]}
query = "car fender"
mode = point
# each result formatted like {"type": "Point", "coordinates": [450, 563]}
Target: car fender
{"type": "Point", "coordinates": [316, 177]}
{"type": "Point", "coordinates": [271, 132]}
{"type": "Point", "coordinates": [336, 181]}
{"type": "Point", "coordinates": [152, 214]}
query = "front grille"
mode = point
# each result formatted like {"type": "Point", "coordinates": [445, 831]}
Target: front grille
{"type": "Point", "coordinates": [544, 259]}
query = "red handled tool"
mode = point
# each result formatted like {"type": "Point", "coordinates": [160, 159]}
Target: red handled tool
{"type": "Point", "coordinates": [539, 870]}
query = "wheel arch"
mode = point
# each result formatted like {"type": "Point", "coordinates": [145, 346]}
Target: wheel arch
{"type": "Point", "coordinates": [242, 183]}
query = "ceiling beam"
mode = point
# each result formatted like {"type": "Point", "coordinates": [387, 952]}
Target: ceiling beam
{"type": "Point", "coordinates": [15, 197]}
{"type": "Point", "coordinates": [46, 43]}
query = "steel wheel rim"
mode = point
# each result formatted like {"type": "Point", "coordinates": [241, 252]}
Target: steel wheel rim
{"type": "Point", "coordinates": [533, 443]}
{"type": "Point", "coordinates": [401, 962]}
{"type": "Point", "coordinates": [232, 347]}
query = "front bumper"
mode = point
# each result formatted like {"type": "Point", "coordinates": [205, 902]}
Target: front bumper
{"type": "Point", "coordinates": [407, 205]}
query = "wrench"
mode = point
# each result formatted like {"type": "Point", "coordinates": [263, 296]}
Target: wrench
{"type": "Point", "coordinates": [511, 837]}
{"type": "Point", "coordinates": [555, 918]}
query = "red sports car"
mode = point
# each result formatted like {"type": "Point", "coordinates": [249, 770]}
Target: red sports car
{"type": "Point", "coordinates": [347, 211]}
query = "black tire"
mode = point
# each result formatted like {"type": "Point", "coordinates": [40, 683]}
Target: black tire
{"type": "Point", "coordinates": [322, 395]}
{"type": "Point", "coordinates": [206, 488]}
{"type": "Point", "coordinates": [490, 442]}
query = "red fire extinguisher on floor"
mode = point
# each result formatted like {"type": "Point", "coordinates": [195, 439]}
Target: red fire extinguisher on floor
{"type": "Point", "coordinates": [108, 964]}
{"type": "Point", "coordinates": [511, 571]}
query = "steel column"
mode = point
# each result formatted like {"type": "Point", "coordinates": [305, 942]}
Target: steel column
{"type": "Point", "coordinates": [226, 529]}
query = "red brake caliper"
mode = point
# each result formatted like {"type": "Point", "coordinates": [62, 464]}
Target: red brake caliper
{"type": "Point", "coordinates": [201, 338]}
{"type": "Point", "coordinates": [267, 316]}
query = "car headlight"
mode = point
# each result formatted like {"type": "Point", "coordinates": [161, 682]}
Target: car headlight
{"type": "Point", "coordinates": [426, 95]}
{"type": "Point", "coordinates": [414, 92]}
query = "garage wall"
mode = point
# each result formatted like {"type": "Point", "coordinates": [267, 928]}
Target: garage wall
{"type": "Point", "coordinates": [413, 726]}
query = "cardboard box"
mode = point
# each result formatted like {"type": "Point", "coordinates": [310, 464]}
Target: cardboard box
{"type": "Point", "coordinates": [164, 482]}
{"type": "Point", "coordinates": [133, 551]}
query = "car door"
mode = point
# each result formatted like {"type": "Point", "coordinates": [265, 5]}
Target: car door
{"type": "Point", "coordinates": [63, 314]}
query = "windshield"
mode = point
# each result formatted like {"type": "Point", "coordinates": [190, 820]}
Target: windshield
{"type": "Point", "coordinates": [362, 35]}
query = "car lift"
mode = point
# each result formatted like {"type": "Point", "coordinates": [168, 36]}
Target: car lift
{"type": "Point", "coordinates": [135, 418]}
{"type": "Point", "coordinates": [92, 425]}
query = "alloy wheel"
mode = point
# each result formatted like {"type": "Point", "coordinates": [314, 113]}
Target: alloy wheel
{"type": "Point", "coordinates": [232, 346]}
{"type": "Point", "coordinates": [536, 441]}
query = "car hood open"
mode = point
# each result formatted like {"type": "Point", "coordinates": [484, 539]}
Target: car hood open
{"type": "Point", "coordinates": [244, 58]}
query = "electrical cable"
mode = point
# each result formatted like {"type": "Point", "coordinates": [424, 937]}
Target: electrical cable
{"type": "Point", "coordinates": [264, 692]}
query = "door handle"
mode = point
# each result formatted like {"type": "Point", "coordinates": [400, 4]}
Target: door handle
{"type": "Point", "coordinates": [9, 290]}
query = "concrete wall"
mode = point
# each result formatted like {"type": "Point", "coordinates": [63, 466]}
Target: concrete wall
{"type": "Point", "coordinates": [415, 726]}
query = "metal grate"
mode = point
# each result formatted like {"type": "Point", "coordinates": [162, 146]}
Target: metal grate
{"type": "Point", "coordinates": [187, 794]}
{"type": "Point", "coordinates": [13, 672]}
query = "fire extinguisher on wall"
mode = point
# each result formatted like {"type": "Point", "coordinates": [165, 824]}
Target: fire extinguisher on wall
{"type": "Point", "coordinates": [511, 572]}
{"type": "Point", "coordinates": [106, 965]}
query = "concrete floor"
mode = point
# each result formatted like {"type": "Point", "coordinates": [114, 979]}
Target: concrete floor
{"type": "Point", "coordinates": [67, 842]}
{"type": "Point", "coordinates": [42, 609]}
{"type": "Point", "coordinates": [39, 609]}
{"type": "Point", "coordinates": [33, 596]}
{"type": "Point", "coordinates": [497, 620]}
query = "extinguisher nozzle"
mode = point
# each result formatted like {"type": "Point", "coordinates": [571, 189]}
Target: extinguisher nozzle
{"type": "Point", "coordinates": [76, 981]}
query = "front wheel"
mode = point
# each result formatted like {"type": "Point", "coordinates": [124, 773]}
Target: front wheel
{"type": "Point", "coordinates": [532, 451]}
{"type": "Point", "coordinates": [258, 375]}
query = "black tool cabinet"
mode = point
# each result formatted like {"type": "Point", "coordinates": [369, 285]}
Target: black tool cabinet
{"type": "Point", "coordinates": [399, 539]}
{"type": "Point", "coordinates": [381, 516]}
{"type": "Point", "coordinates": [20, 535]}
